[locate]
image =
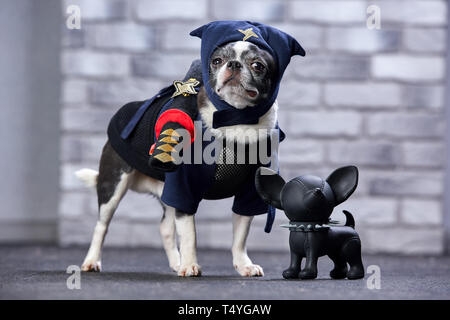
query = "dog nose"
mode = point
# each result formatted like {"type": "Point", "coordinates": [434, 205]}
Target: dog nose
{"type": "Point", "coordinates": [233, 65]}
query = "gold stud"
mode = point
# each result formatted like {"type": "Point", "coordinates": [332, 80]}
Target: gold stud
{"type": "Point", "coordinates": [171, 132]}
{"type": "Point", "coordinates": [164, 157]}
{"type": "Point", "coordinates": [166, 148]}
{"type": "Point", "coordinates": [168, 139]}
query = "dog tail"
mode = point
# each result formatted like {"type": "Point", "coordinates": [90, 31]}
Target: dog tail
{"type": "Point", "coordinates": [88, 176]}
{"type": "Point", "coordinates": [350, 221]}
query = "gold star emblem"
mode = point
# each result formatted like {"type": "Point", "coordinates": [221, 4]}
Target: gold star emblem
{"type": "Point", "coordinates": [185, 88]}
{"type": "Point", "coordinates": [248, 33]}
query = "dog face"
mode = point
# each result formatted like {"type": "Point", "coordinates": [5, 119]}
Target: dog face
{"type": "Point", "coordinates": [307, 198]}
{"type": "Point", "coordinates": [241, 73]}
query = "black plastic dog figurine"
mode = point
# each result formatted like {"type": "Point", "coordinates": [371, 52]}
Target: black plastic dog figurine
{"type": "Point", "coordinates": [308, 202]}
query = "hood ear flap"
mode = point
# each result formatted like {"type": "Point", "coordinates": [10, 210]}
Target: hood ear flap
{"type": "Point", "coordinates": [296, 48]}
{"type": "Point", "coordinates": [199, 31]}
{"type": "Point", "coordinates": [343, 182]}
{"type": "Point", "coordinates": [268, 185]}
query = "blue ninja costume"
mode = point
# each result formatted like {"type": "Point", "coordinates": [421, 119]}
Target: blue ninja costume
{"type": "Point", "coordinates": [137, 125]}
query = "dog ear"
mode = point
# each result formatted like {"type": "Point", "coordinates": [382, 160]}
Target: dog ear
{"type": "Point", "coordinates": [343, 182]}
{"type": "Point", "coordinates": [268, 185]}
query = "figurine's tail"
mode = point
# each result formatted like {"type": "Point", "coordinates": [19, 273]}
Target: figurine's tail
{"type": "Point", "coordinates": [350, 221]}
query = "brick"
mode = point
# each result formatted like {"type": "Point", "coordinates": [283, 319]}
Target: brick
{"type": "Point", "coordinates": [74, 91]}
{"type": "Point", "coordinates": [333, 67]}
{"type": "Point", "coordinates": [301, 151]}
{"type": "Point", "coordinates": [363, 95]}
{"type": "Point", "coordinates": [176, 37]}
{"type": "Point", "coordinates": [425, 40]}
{"type": "Point", "coordinates": [423, 96]}
{"type": "Point", "coordinates": [139, 207]}
{"type": "Point", "coordinates": [81, 148]}
{"type": "Point", "coordinates": [143, 234]}
{"type": "Point", "coordinates": [407, 183]}
{"type": "Point", "coordinates": [94, 64]}
{"type": "Point", "coordinates": [309, 36]}
{"type": "Point", "coordinates": [368, 211]}
{"type": "Point", "coordinates": [219, 235]}
{"type": "Point", "coordinates": [404, 241]}
{"type": "Point", "coordinates": [408, 67]}
{"type": "Point", "coordinates": [424, 154]}
{"type": "Point", "coordinates": [374, 153]}
{"type": "Point", "coordinates": [421, 212]}
{"type": "Point", "coordinates": [171, 10]}
{"type": "Point", "coordinates": [120, 233]}
{"type": "Point", "coordinates": [215, 210]}
{"type": "Point", "coordinates": [86, 120]}
{"type": "Point", "coordinates": [324, 123]}
{"type": "Point", "coordinates": [362, 40]}
{"type": "Point", "coordinates": [99, 9]}
{"type": "Point", "coordinates": [76, 231]}
{"type": "Point", "coordinates": [253, 10]}
{"type": "Point", "coordinates": [422, 12]}
{"type": "Point", "coordinates": [118, 93]}
{"type": "Point", "coordinates": [174, 65]}
{"type": "Point", "coordinates": [73, 204]}
{"type": "Point", "coordinates": [406, 125]}
{"type": "Point", "coordinates": [73, 38]}
{"type": "Point", "coordinates": [294, 93]}
{"type": "Point", "coordinates": [126, 36]}
{"type": "Point", "coordinates": [329, 11]}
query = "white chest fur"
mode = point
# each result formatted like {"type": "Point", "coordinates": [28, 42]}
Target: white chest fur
{"type": "Point", "coordinates": [241, 133]}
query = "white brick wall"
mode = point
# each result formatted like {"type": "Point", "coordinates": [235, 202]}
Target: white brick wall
{"type": "Point", "coordinates": [373, 98]}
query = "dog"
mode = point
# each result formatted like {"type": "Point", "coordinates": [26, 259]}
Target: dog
{"type": "Point", "coordinates": [241, 67]}
{"type": "Point", "coordinates": [308, 202]}
{"type": "Point", "coordinates": [239, 84]}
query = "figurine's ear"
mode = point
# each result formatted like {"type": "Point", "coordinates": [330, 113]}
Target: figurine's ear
{"type": "Point", "coordinates": [268, 185]}
{"type": "Point", "coordinates": [343, 182]}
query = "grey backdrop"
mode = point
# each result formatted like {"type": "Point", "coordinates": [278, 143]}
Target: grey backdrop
{"type": "Point", "coordinates": [29, 121]}
{"type": "Point", "coordinates": [375, 98]}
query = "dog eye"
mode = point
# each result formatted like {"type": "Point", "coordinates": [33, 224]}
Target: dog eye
{"type": "Point", "coordinates": [258, 66]}
{"type": "Point", "coordinates": [217, 61]}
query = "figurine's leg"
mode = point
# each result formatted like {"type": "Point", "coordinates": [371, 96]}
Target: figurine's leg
{"type": "Point", "coordinates": [185, 227]}
{"type": "Point", "coordinates": [241, 262]}
{"type": "Point", "coordinates": [352, 253]}
{"type": "Point", "coordinates": [294, 269]}
{"type": "Point", "coordinates": [340, 267]}
{"type": "Point", "coordinates": [312, 248]}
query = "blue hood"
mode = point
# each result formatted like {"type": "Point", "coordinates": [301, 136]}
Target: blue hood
{"type": "Point", "coordinates": [279, 44]}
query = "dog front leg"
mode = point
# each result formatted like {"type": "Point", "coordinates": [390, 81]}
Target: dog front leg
{"type": "Point", "coordinates": [241, 261]}
{"type": "Point", "coordinates": [185, 226]}
{"type": "Point", "coordinates": [167, 230]}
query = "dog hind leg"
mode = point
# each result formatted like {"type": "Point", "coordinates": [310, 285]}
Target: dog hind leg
{"type": "Point", "coordinates": [112, 184]}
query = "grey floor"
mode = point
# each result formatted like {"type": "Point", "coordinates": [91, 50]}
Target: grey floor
{"type": "Point", "coordinates": [38, 272]}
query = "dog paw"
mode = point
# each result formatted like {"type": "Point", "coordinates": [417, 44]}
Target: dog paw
{"type": "Point", "coordinates": [175, 267]}
{"type": "Point", "coordinates": [91, 266]}
{"type": "Point", "coordinates": [250, 270]}
{"type": "Point", "coordinates": [190, 270]}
